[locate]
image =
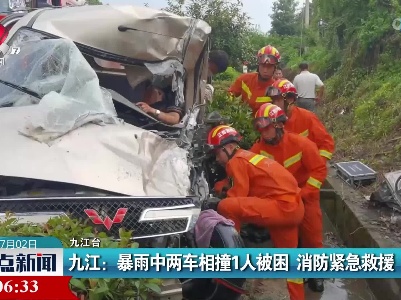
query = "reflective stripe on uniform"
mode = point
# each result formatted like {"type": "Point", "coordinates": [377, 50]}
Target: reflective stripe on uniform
{"type": "Point", "coordinates": [263, 99]}
{"type": "Point", "coordinates": [256, 159]}
{"type": "Point", "coordinates": [292, 160]}
{"type": "Point", "coordinates": [246, 89]}
{"type": "Point", "coordinates": [264, 153]}
{"type": "Point", "coordinates": [218, 128]}
{"type": "Point", "coordinates": [314, 182]}
{"type": "Point", "coordinates": [296, 280]}
{"type": "Point", "coordinates": [326, 154]}
{"type": "Point", "coordinates": [282, 83]}
{"type": "Point", "coordinates": [305, 133]}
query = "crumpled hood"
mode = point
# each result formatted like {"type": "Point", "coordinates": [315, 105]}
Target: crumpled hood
{"type": "Point", "coordinates": [118, 158]}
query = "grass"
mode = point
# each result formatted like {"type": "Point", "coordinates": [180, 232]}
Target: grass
{"type": "Point", "coordinates": [366, 119]}
{"type": "Point", "coordinates": [362, 111]}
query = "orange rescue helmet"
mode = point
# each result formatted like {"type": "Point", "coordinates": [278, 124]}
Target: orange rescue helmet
{"type": "Point", "coordinates": [269, 55]}
{"type": "Point", "coordinates": [282, 87]}
{"type": "Point", "coordinates": [268, 114]}
{"type": "Point", "coordinates": [222, 135]}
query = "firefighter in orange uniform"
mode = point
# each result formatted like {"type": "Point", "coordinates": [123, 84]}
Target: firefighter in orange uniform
{"type": "Point", "coordinates": [252, 86]}
{"type": "Point", "coordinates": [301, 121]}
{"type": "Point", "coordinates": [263, 193]}
{"type": "Point", "coordinates": [301, 157]}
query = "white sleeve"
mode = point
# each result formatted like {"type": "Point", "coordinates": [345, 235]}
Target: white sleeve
{"type": "Point", "coordinates": [209, 91]}
{"type": "Point", "coordinates": [295, 82]}
{"type": "Point", "coordinates": [319, 83]}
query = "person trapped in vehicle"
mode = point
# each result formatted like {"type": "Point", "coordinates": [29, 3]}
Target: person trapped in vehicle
{"type": "Point", "coordinates": [262, 192]}
{"type": "Point", "coordinates": [301, 121]}
{"type": "Point", "coordinates": [301, 157]}
{"type": "Point", "coordinates": [305, 83]}
{"type": "Point", "coordinates": [252, 86]}
{"type": "Point", "coordinates": [159, 102]}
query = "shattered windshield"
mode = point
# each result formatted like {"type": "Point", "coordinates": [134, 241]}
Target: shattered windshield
{"type": "Point", "coordinates": [54, 75]}
{"type": "Point", "coordinates": [4, 6]}
{"type": "Point", "coordinates": [68, 88]}
{"type": "Point", "coordinates": [173, 71]}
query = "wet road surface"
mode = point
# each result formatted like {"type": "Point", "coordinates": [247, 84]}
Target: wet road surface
{"type": "Point", "coordinates": [335, 289]}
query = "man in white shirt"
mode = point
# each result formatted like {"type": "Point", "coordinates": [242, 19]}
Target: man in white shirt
{"type": "Point", "coordinates": [305, 83]}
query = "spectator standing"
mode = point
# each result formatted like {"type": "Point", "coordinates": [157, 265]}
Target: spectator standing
{"type": "Point", "coordinates": [305, 83]}
{"type": "Point", "coordinates": [278, 73]}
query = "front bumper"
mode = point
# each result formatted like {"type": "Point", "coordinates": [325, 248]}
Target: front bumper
{"type": "Point", "coordinates": [146, 217]}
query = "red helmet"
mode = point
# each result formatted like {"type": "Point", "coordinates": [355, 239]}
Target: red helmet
{"type": "Point", "coordinates": [222, 135]}
{"type": "Point", "coordinates": [268, 114]}
{"type": "Point", "coordinates": [269, 55]}
{"type": "Point", "coordinates": [282, 87]}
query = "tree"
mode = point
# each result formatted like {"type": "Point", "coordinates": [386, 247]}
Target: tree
{"type": "Point", "coordinates": [176, 7]}
{"type": "Point", "coordinates": [284, 18]}
{"type": "Point", "coordinates": [230, 25]}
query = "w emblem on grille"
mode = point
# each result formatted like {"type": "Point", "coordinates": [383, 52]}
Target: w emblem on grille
{"type": "Point", "coordinates": [107, 222]}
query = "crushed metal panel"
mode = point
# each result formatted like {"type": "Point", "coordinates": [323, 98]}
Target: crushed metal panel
{"type": "Point", "coordinates": [163, 35]}
{"type": "Point", "coordinates": [118, 158]}
{"type": "Point", "coordinates": [395, 187]}
{"type": "Point", "coordinates": [355, 173]}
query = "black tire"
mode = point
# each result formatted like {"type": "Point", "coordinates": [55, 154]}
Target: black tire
{"type": "Point", "coordinates": [207, 289]}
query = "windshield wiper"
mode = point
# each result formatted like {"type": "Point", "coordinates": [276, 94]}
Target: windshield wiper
{"type": "Point", "coordinates": [22, 89]}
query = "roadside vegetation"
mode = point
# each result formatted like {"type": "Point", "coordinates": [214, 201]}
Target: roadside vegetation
{"type": "Point", "coordinates": [66, 229]}
{"type": "Point", "coordinates": [353, 47]}
{"type": "Point", "coordinates": [350, 44]}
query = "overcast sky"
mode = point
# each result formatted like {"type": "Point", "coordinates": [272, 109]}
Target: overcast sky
{"type": "Point", "coordinates": [258, 10]}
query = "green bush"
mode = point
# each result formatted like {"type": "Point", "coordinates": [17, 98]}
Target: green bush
{"type": "Point", "coordinates": [238, 114]}
{"type": "Point", "coordinates": [362, 110]}
{"type": "Point", "coordinates": [229, 75]}
{"type": "Point", "coordinates": [66, 229]}
{"type": "Point", "coordinates": [222, 86]}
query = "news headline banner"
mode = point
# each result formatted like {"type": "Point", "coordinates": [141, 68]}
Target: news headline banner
{"type": "Point", "coordinates": [31, 256]}
{"type": "Point", "coordinates": [233, 263]}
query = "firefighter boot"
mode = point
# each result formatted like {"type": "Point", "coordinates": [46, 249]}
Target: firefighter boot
{"type": "Point", "coordinates": [316, 284]}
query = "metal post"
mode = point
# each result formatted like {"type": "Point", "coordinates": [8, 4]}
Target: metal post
{"type": "Point", "coordinates": [306, 13]}
{"type": "Point", "coordinates": [302, 30]}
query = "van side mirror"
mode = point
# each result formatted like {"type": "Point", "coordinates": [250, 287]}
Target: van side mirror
{"type": "Point", "coordinates": [215, 118]}
{"type": "Point", "coordinates": [3, 33]}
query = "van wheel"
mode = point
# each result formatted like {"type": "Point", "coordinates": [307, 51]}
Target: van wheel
{"type": "Point", "coordinates": [208, 289]}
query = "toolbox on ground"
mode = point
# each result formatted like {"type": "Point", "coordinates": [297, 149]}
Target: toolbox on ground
{"type": "Point", "coordinates": [355, 173]}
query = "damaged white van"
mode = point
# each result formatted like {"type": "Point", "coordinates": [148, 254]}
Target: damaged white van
{"type": "Point", "coordinates": [74, 142]}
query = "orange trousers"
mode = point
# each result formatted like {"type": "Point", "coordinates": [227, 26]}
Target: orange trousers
{"type": "Point", "coordinates": [281, 218]}
{"type": "Point", "coordinates": [311, 229]}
